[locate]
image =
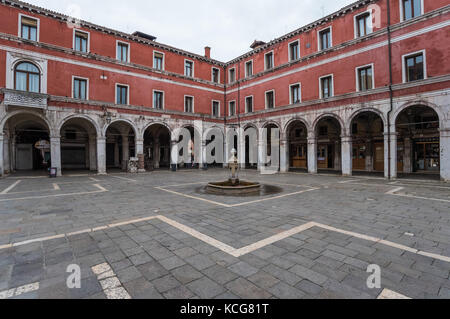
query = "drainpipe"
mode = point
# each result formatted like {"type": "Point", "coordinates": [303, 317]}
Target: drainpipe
{"type": "Point", "coordinates": [391, 93]}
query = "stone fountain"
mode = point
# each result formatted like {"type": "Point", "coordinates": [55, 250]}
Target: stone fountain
{"type": "Point", "coordinates": [234, 186]}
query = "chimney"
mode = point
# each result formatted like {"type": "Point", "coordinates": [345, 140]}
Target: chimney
{"type": "Point", "coordinates": [208, 52]}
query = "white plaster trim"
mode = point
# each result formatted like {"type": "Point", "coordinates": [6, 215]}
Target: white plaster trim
{"type": "Point", "coordinates": [163, 99]}
{"type": "Point", "coordinates": [128, 50]}
{"type": "Point", "coordinates": [193, 103]}
{"type": "Point", "coordinates": [30, 17]}
{"type": "Point", "coordinates": [274, 100]}
{"type": "Point", "coordinates": [229, 107]}
{"type": "Point", "coordinates": [319, 49]}
{"type": "Point", "coordinates": [163, 61]}
{"type": "Point", "coordinates": [289, 50]}
{"type": "Point", "coordinates": [229, 75]}
{"type": "Point", "coordinates": [212, 75]}
{"type": "Point", "coordinates": [253, 103]}
{"type": "Point", "coordinates": [245, 68]}
{"type": "Point", "coordinates": [128, 92]}
{"type": "Point", "coordinates": [291, 102]}
{"type": "Point", "coordinates": [87, 86]}
{"type": "Point", "coordinates": [212, 107]}
{"type": "Point", "coordinates": [380, 44]}
{"type": "Point", "coordinates": [12, 59]}
{"type": "Point", "coordinates": [88, 45]}
{"type": "Point", "coordinates": [402, 16]}
{"type": "Point", "coordinates": [36, 55]}
{"type": "Point", "coordinates": [404, 56]}
{"type": "Point", "coordinates": [265, 60]}
{"type": "Point", "coordinates": [358, 89]}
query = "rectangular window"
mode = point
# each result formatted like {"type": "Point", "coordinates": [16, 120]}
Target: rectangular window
{"type": "Point", "coordinates": [294, 51]}
{"type": "Point", "coordinates": [363, 24]}
{"type": "Point", "coordinates": [80, 89]}
{"type": "Point", "coordinates": [411, 9]}
{"type": "Point", "coordinates": [121, 94]}
{"type": "Point", "coordinates": [158, 100]}
{"type": "Point", "coordinates": [158, 61]}
{"type": "Point", "coordinates": [232, 111]}
{"type": "Point", "coordinates": [326, 87]}
{"type": "Point", "coordinates": [365, 78]}
{"type": "Point", "coordinates": [269, 60]}
{"type": "Point", "coordinates": [232, 76]}
{"type": "Point", "coordinates": [325, 39]}
{"type": "Point", "coordinates": [295, 94]}
{"type": "Point", "coordinates": [216, 75]}
{"type": "Point", "coordinates": [28, 28]}
{"type": "Point", "coordinates": [189, 104]}
{"type": "Point", "coordinates": [414, 65]}
{"type": "Point", "coordinates": [189, 68]}
{"type": "Point", "coordinates": [248, 69]}
{"type": "Point", "coordinates": [215, 109]}
{"type": "Point", "coordinates": [249, 104]}
{"type": "Point", "coordinates": [81, 41]}
{"type": "Point", "coordinates": [122, 52]}
{"type": "Point", "coordinates": [270, 100]}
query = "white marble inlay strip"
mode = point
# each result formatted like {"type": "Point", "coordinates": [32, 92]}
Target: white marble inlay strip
{"type": "Point", "coordinates": [111, 285]}
{"type": "Point", "coordinates": [11, 187]}
{"type": "Point", "coordinates": [389, 294]}
{"type": "Point", "coordinates": [56, 187]}
{"type": "Point", "coordinates": [13, 292]}
{"type": "Point", "coordinates": [124, 178]}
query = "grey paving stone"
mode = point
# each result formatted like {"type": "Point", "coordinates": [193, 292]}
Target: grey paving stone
{"type": "Point", "coordinates": [180, 292]}
{"type": "Point", "coordinates": [284, 291]}
{"type": "Point", "coordinates": [140, 259]}
{"type": "Point", "coordinates": [128, 274]}
{"type": "Point", "coordinates": [89, 286]}
{"type": "Point", "coordinates": [172, 262]}
{"type": "Point", "coordinates": [246, 290]}
{"type": "Point", "coordinates": [205, 288]}
{"type": "Point", "coordinates": [283, 275]}
{"type": "Point", "coordinates": [200, 262]}
{"type": "Point", "coordinates": [142, 289]}
{"type": "Point", "coordinates": [243, 269]}
{"type": "Point", "coordinates": [309, 287]}
{"type": "Point", "coordinates": [185, 274]}
{"type": "Point", "coordinates": [166, 283]}
{"type": "Point", "coordinates": [220, 274]}
{"type": "Point", "coordinates": [152, 270]}
{"type": "Point", "coordinates": [306, 273]}
{"type": "Point", "coordinates": [263, 280]}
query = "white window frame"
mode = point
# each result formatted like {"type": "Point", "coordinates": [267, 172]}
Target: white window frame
{"type": "Point", "coordinates": [74, 77]}
{"type": "Point", "coordinates": [425, 73]}
{"type": "Point", "coordinates": [332, 86]}
{"type": "Point", "coordinates": [30, 17]}
{"type": "Point", "coordinates": [163, 61]}
{"type": "Point", "coordinates": [212, 75]}
{"type": "Point", "coordinates": [193, 68]}
{"type": "Point", "coordinates": [369, 26]}
{"type": "Point", "coordinates": [229, 75]}
{"type": "Point", "coordinates": [289, 50]}
{"type": "Point", "coordinates": [253, 103]}
{"type": "Point", "coordinates": [128, 51]}
{"type": "Point", "coordinates": [229, 108]}
{"type": "Point", "coordinates": [12, 59]}
{"type": "Point", "coordinates": [274, 99]}
{"type": "Point", "coordinates": [184, 104]}
{"type": "Point", "coordinates": [212, 108]}
{"type": "Point", "coordinates": [88, 47]}
{"type": "Point", "coordinates": [358, 88]}
{"type": "Point", "coordinates": [163, 99]}
{"type": "Point", "coordinates": [291, 102]}
{"type": "Point", "coordinates": [265, 60]}
{"type": "Point", "coordinates": [402, 17]}
{"type": "Point", "coordinates": [319, 39]}
{"type": "Point", "coordinates": [245, 67]}
{"type": "Point", "coordinates": [128, 93]}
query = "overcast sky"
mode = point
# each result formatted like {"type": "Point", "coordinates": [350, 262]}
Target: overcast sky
{"type": "Point", "coordinates": [227, 26]}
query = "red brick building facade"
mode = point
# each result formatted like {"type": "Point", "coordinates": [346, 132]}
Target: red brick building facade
{"type": "Point", "coordinates": [363, 89]}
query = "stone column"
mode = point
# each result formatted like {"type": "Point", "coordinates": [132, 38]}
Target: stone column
{"type": "Point", "coordinates": [203, 164]}
{"type": "Point", "coordinates": [445, 154]}
{"type": "Point", "coordinates": [284, 156]}
{"type": "Point", "coordinates": [2, 168]}
{"type": "Point", "coordinates": [407, 155]}
{"type": "Point", "coordinates": [312, 153]}
{"type": "Point", "coordinates": [6, 155]}
{"type": "Point", "coordinates": [125, 151]}
{"type": "Point", "coordinates": [173, 153]}
{"type": "Point", "coordinates": [262, 152]}
{"type": "Point", "coordinates": [140, 154]}
{"type": "Point", "coordinates": [393, 160]}
{"type": "Point", "coordinates": [346, 155]}
{"type": "Point", "coordinates": [101, 155]}
{"type": "Point", "coordinates": [116, 154]}
{"type": "Point", "coordinates": [13, 153]}
{"type": "Point", "coordinates": [92, 154]}
{"type": "Point", "coordinates": [241, 148]}
{"type": "Point", "coordinates": [156, 155]}
{"type": "Point", "coordinates": [55, 153]}
{"type": "Point", "coordinates": [369, 156]}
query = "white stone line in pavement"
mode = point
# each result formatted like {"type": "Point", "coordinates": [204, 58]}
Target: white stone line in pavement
{"type": "Point", "coordinates": [393, 192]}
{"type": "Point", "coordinates": [193, 197]}
{"type": "Point", "coordinates": [56, 187]}
{"type": "Point", "coordinates": [389, 294]}
{"type": "Point", "coordinates": [101, 190]}
{"type": "Point", "coordinates": [94, 179]}
{"type": "Point", "coordinates": [10, 187]}
{"type": "Point", "coordinates": [13, 292]}
{"type": "Point", "coordinates": [111, 285]}
{"type": "Point", "coordinates": [244, 250]}
{"type": "Point", "coordinates": [274, 197]}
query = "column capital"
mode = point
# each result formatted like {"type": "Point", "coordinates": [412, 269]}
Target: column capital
{"type": "Point", "coordinates": [101, 139]}
{"type": "Point", "coordinates": [55, 137]}
{"type": "Point", "coordinates": [346, 139]}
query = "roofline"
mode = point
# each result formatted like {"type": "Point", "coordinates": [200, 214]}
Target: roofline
{"type": "Point", "coordinates": [42, 11]}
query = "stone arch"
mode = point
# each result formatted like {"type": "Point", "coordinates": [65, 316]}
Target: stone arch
{"type": "Point", "coordinates": [292, 121]}
{"type": "Point", "coordinates": [131, 123]}
{"type": "Point", "coordinates": [47, 122]}
{"type": "Point", "coordinates": [364, 110]}
{"type": "Point", "coordinates": [332, 115]}
{"type": "Point", "coordinates": [148, 125]}
{"type": "Point", "coordinates": [404, 106]}
{"type": "Point", "coordinates": [79, 116]}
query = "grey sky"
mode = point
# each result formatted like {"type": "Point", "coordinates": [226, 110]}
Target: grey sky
{"type": "Point", "coordinates": [229, 27]}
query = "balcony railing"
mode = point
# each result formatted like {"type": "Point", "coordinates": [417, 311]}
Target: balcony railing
{"type": "Point", "coordinates": [25, 99]}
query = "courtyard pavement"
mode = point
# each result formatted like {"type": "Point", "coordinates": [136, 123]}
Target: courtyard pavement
{"type": "Point", "coordinates": [158, 235]}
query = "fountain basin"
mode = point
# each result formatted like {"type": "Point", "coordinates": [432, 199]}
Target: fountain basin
{"type": "Point", "coordinates": [228, 188]}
